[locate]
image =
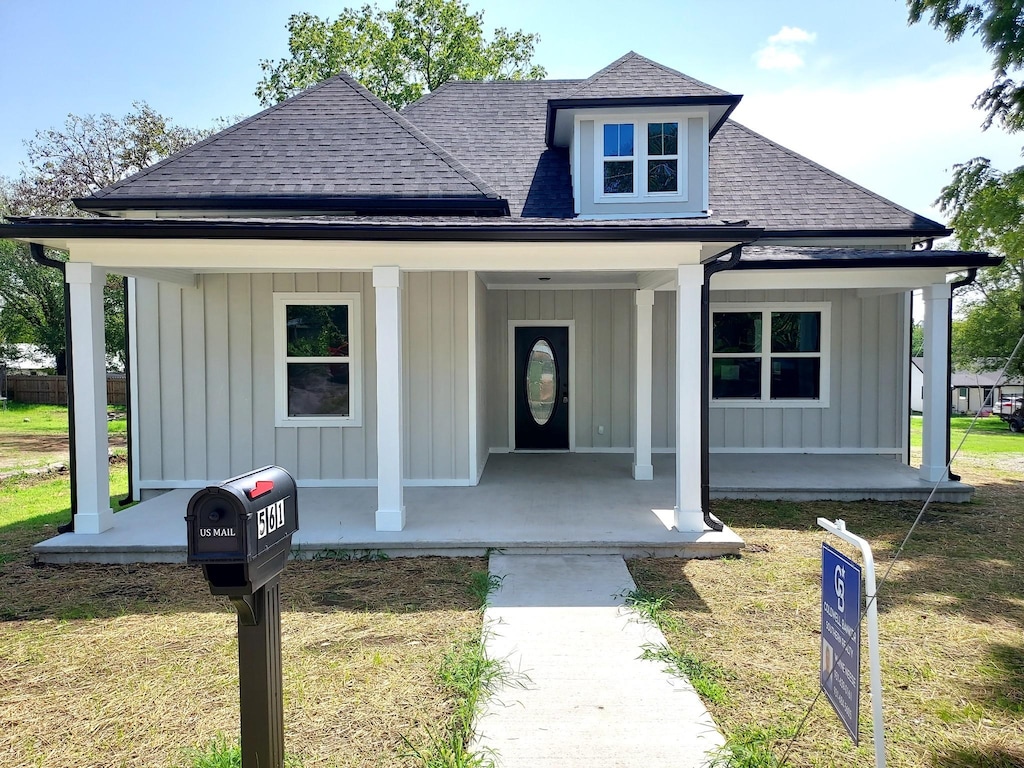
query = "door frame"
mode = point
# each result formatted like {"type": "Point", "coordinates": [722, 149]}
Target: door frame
{"type": "Point", "coordinates": [511, 359]}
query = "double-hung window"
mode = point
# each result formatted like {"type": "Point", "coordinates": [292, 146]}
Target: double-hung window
{"type": "Point", "coordinates": [770, 355]}
{"type": "Point", "coordinates": [317, 360]}
{"type": "Point", "coordinates": [640, 159]}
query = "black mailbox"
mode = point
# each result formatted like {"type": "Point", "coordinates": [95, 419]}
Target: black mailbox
{"type": "Point", "coordinates": [241, 530]}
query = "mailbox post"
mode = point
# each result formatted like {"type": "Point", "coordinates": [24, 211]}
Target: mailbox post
{"type": "Point", "coordinates": [240, 532]}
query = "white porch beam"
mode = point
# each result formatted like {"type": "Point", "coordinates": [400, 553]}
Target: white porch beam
{"type": "Point", "coordinates": [935, 421]}
{"type": "Point", "coordinates": [387, 285]}
{"type": "Point", "coordinates": [688, 513]}
{"type": "Point", "coordinates": [642, 467]}
{"type": "Point", "coordinates": [92, 466]}
{"type": "Point", "coordinates": [182, 277]}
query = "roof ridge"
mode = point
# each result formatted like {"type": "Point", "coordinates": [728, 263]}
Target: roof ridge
{"type": "Point", "coordinates": [101, 193]}
{"type": "Point", "coordinates": [602, 72]}
{"type": "Point", "coordinates": [428, 143]}
{"type": "Point", "coordinates": [593, 79]}
{"type": "Point", "coordinates": [833, 174]}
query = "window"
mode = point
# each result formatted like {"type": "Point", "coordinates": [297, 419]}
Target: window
{"type": "Point", "coordinates": [663, 157]}
{"type": "Point", "coordinates": [771, 355]}
{"type": "Point", "coordinates": [618, 159]}
{"type": "Point", "coordinates": [640, 160]}
{"type": "Point", "coordinates": [317, 359]}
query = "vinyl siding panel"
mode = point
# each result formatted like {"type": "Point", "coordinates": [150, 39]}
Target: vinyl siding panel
{"type": "Point", "coordinates": [206, 381]}
{"type": "Point", "coordinates": [604, 325]}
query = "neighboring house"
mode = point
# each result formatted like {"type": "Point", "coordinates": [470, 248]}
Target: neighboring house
{"type": "Point", "coordinates": [970, 391]}
{"type": "Point", "coordinates": [381, 299]}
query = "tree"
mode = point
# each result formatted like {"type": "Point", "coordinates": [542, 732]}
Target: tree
{"type": "Point", "coordinates": [398, 54]}
{"type": "Point", "coordinates": [88, 153]}
{"type": "Point", "coordinates": [999, 24]}
{"type": "Point", "coordinates": [987, 210]}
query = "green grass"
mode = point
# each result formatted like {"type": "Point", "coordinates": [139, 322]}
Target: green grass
{"type": "Point", "coordinates": [990, 435]}
{"type": "Point", "coordinates": [32, 508]}
{"type": "Point", "coordinates": [32, 419]}
{"type": "Point", "coordinates": [220, 753]}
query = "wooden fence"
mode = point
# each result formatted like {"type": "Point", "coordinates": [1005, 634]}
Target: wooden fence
{"type": "Point", "coordinates": [53, 390]}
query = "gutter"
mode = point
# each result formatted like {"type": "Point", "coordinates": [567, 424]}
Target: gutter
{"type": "Point", "coordinates": [40, 257]}
{"type": "Point", "coordinates": [970, 277]}
{"type": "Point", "coordinates": [711, 268]}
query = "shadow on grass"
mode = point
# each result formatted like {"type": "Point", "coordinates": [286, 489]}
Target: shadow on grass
{"type": "Point", "coordinates": [988, 756]}
{"type": "Point", "coordinates": [1002, 677]}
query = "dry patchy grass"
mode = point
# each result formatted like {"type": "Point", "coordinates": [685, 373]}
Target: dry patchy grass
{"type": "Point", "coordinates": [131, 665]}
{"type": "Point", "coordinates": [951, 625]}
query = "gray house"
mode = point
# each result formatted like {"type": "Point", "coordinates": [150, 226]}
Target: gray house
{"type": "Point", "coordinates": [609, 267]}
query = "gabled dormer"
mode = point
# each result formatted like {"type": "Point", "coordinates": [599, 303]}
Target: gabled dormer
{"type": "Point", "coordinates": [638, 136]}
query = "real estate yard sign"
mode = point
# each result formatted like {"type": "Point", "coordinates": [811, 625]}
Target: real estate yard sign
{"type": "Point", "coordinates": [840, 636]}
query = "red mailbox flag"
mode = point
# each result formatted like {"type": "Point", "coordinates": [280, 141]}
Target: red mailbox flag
{"type": "Point", "coordinates": [262, 487]}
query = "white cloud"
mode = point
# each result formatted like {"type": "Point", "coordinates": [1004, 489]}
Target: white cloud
{"type": "Point", "coordinates": [792, 35]}
{"type": "Point", "coordinates": [899, 137]}
{"type": "Point", "coordinates": [782, 51]}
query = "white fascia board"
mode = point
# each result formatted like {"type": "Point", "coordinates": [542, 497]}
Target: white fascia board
{"type": "Point", "coordinates": [844, 277]}
{"type": "Point", "coordinates": [330, 256]}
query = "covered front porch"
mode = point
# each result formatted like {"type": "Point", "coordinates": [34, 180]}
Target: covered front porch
{"type": "Point", "coordinates": [525, 504]}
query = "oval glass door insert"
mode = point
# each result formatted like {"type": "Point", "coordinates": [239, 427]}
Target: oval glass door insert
{"type": "Point", "coordinates": [541, 381]}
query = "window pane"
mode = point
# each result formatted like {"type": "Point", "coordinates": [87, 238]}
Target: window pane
{"type": "Point", "coordinates": [663, 138]}
{"type": "Point", "coordinates": [541, 382]}
{"type": "Point", "coordinates": [736, 377]}
{"type": "Point", "coordinates": [796, 378]}
{"type": "Point", "coordinates": [618, 177]}
{"type": "Point", "coordinates": [618, 140]}
{"type": "Point", "coordinates": [661, 176]}
{"type": "Point", "coordinates": [796, 331]}
{"type": "Point", "coordinates": [317, 330]}
{"type": "Point", "coordinates": [737, 332]}
{"type": "Point", "coordinates": [318, 389]}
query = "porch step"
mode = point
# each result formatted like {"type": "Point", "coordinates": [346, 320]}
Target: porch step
{"type": "Point", "coordinates": [579, 694]}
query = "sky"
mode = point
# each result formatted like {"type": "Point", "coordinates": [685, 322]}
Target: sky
{"type": "Point", "coordinates": [845, 82]}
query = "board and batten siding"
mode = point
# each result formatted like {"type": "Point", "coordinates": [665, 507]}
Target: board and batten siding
{"type": "Point", "coordinates": [206, 381]}
{"type": "Point", "coordinates": [483, 397]}
{"type": "Point", "coordinates": [867, 381]}
{"type": "Point", "coordinates": [604, 322]}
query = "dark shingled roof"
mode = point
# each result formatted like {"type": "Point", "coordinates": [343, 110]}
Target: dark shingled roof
{"type": "Point", "coordinates": [482, 142]}
{"type": "Point", "coordinates": [497, 129]}
{"type": "Point", "coordinates": [633, 75]}
{"type": "Point", "coordinates": [335, 139]}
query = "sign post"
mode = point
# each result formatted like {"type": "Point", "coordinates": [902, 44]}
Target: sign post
{"type": "Point", "coordinates": [840, 634]}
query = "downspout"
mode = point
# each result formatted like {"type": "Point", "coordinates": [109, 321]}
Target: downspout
{"type": "Point", "coordinates": [40, 257]}
{"type": "Point", "coordinates": [711, 268]}
{"type": "Point", "coordinates": [972, 275]}
{"type": "Point", "coordinates": [127, 393]}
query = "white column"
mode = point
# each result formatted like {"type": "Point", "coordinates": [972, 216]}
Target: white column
{"type": "Point", "coordinates": [387, 284]}
{"type": "Point", "coordinates": [935, 419]}
{"type": "Point", "coordinates": [92, 466]}
{"type": "Point", "coordinates": [688, 513]}
{"type": "Point", "coordinates": [642, 467]}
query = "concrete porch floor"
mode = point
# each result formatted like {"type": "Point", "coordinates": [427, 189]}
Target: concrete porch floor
{"type": "Point", "coordinates": [524, 504]}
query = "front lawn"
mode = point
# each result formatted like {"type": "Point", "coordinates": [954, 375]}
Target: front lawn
{"type": "Point", "coordinates": [106, 665]}
{"type": "Point", "coordinates": [952, 630]}
{"type": "Point", "coordinates": [990, 435]}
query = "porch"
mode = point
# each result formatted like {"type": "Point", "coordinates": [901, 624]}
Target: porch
{"type": "Point", "coordinates": [526, 503]}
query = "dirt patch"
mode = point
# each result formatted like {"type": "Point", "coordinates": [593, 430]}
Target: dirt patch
{"type": "Point", "coordinates": [20, 452]}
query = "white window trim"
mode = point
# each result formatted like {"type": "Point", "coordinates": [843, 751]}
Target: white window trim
{"type": "Point", "coordinates": [355, 361]}
{"type": "Point", "coordinates": [825, 308]}
{"type": "Point", "coordinates": [640, 156]}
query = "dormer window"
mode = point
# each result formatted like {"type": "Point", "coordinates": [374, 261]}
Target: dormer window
{"type": "Point", "coordinates": [619, 159]}
{"type": "Point", "coordinates": [662, 157]}
{"type": "Point", "coordinates": [640, 161]}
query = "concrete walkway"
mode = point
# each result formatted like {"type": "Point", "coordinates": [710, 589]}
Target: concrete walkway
{"type": "Point", "coordinates": [587, 699]}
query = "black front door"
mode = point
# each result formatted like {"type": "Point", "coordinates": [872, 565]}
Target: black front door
{"type": "Point", "coordinates": [542, 388]}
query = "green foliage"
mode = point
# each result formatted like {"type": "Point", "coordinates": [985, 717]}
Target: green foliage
{"type": "Point", "coordinates": [219, 753]}
{"type": "Point", "coordinates": [703, 675]}
{"type": "Point", "coordinates": [748, 748]}
{"type": "Point", "coordinates": [999, 26]}
{"type": "Point", "coordinates": [397, 54]}
{"type": "Point", "coordinates": [482, 584]}
{"type": "Point", "coordinates": [469, 676]}
{"type": "Point", "coordinates": [917, 340]}
{"type": "Point", "coordinates": [987, 210]}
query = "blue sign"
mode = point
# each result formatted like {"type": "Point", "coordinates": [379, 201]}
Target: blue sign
{"type": "Point", "coordinates": [840, 636]}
